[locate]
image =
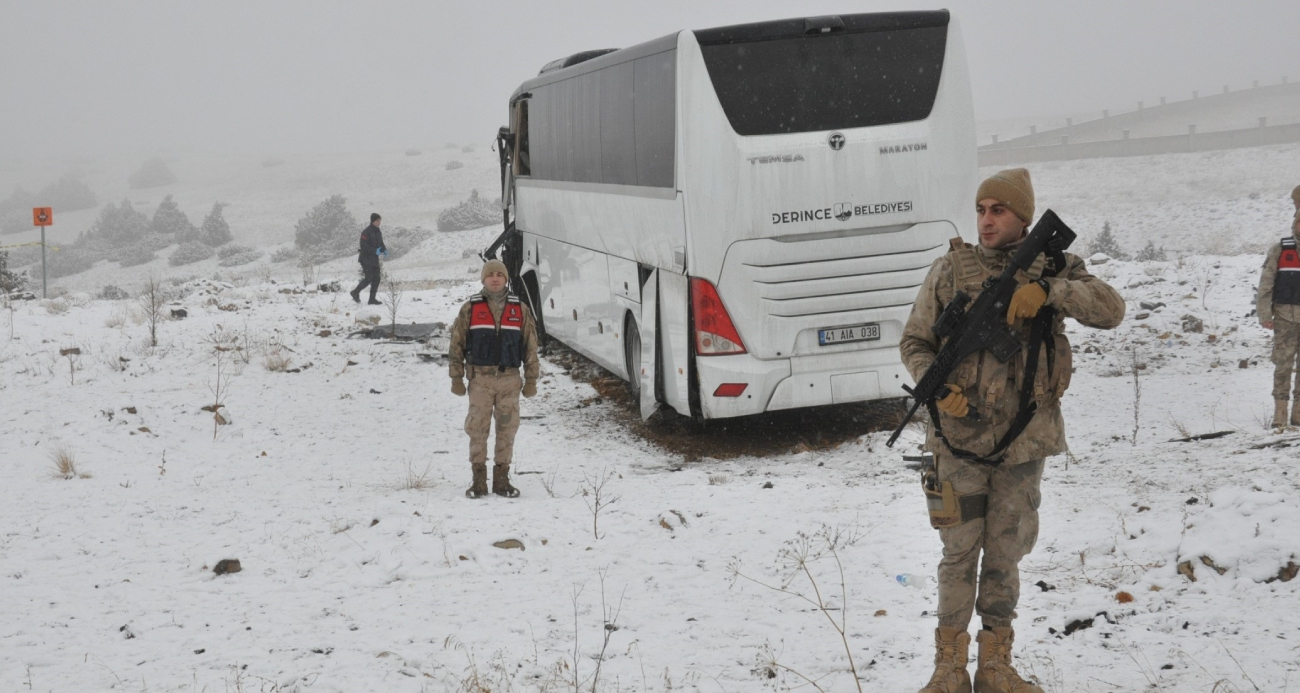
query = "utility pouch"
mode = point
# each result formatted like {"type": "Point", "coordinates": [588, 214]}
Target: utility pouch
{"type": "Point", "coordinates": [947, 508]}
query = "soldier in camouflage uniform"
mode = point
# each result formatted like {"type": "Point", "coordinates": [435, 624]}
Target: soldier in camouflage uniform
{"type": "Point", "coordinates": [493, 336]}
{"type": "Point", "coordinates": [1006, 525]}
{"type": "Point", "coordinates": [1278, 306]}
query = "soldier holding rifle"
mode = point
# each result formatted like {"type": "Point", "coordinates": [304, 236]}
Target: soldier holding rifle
{"type": "Point", "coordinates": [995, 413]}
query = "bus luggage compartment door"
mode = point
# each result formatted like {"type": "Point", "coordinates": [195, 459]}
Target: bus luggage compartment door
{"type": "Point", "coordinates": [649, 324]}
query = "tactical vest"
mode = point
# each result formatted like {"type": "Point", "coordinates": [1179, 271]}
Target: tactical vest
{"type": "Point", "coordinates": [1037, 383]}
{"type": "Point", "coordinates": [1286, 288]}
{"type": "Point", "coordinates": [969, 274]}
{"type": "Point", "coordinates": [491, 344]}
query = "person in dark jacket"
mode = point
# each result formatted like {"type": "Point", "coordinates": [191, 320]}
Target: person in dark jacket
{"type": "Point", "coordinates": [372, 248]}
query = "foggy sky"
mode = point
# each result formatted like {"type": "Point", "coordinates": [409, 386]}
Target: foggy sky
{"type": "Point", "coordinates": [95, 78]}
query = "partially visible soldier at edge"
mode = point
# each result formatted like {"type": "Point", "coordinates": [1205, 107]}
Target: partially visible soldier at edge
{"type": "Point", "coordinates": [1278, 307]}
{"type": "Point", "coordinates": [493, 336]}
{"type": "Point", "coordinates": [1005, 527]}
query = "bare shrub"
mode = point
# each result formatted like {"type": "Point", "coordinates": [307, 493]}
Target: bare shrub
{"type": "Point", "coordinates": [56, 306]}
{"type": "Point", "coordinates": [412, 480]}
{"type": "Point", "coordinates": [393, 301]}
{"type": "Point", "coordinates": [1137, 396]}
{"type": "Point", "coordinates": [153, 302]}
{"type": "Point", "coordinates": [548, 482]}
{"type": "Point", "coordinates": [115, 320]}
{"type": "Point", "coordinates": [223, 344]}
{"type": "Point", "coordinates": [276, 360]}
{"type": "Point", "coordinates": [718, 479]}
{"type": "Point", "coordinates": [596, 497]}
{"type": "Point", "coordinates": [64, 464]}
{"type": "Point", "coordinates": [796, 560]}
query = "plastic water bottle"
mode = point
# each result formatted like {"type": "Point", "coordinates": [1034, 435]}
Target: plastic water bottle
{"type": "Point", "coordinates": [910, 580]}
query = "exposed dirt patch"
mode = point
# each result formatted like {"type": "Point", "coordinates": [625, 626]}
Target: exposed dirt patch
{"type": "Point", "coordinates": [773, 433]}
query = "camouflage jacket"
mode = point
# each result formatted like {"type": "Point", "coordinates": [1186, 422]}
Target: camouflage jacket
{"type": "Point", "coordinates": [1264, 305]}
{"type": "Point", "coordinates": [994, 387]}
{"type": "Point", "coordinates": [460, 335]}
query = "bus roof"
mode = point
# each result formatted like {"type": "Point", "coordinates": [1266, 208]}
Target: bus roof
{"type": "Point", "coordinates": [802, 26]}
{"type": "Point", "coordinates": [621, 55]}
{"type": "Point", "coordinates": [743, 33]}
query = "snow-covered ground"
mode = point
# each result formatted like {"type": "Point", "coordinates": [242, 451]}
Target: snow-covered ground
{"type": "Point", "coordinates": [353, 581]}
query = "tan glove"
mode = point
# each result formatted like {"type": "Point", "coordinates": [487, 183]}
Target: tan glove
{"type": "Point", "coordinates": [1026, 302]}
{"type": "Point", "coordinates": [530, 387]}
{"type": "Point", "coordinates": [955, 404]}
{"type": "Point", "coordinates": [458, 387]}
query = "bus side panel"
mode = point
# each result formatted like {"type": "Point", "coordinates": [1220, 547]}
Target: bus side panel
{"type": "Point", "coordinates": [550, 257]}
{"type": "Point", "coordinates": [674, 340]}
{"type": "Point", "coordinates": [578, 307]}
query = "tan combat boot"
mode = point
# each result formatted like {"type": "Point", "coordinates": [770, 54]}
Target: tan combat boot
{"type": "Point", "coordinates": [479, 488]}
{"type": "Point", "coordinates": [1279, 413]}
{"type": "Point", "coordinates": [994, 673]}
{"type": "Point", "coordinates": [951, 652]}
{"type": "Point", "coordinates": [501, 481]}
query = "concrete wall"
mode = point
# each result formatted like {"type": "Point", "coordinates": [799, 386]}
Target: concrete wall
{"type": "Point", "coordinates": [1003, 154]}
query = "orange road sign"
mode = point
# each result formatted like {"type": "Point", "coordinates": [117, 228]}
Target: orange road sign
{"type": "Point", "coordinates": [42, 216]}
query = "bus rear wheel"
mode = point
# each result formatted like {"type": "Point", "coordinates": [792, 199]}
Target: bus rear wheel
{"type": "Point", "coordinates": [632, 357]}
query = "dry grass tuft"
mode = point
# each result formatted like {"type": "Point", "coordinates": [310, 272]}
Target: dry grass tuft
{"type": "Point", "coordinates": [64, 463]}
{"type": "Point", "coordinates": [718, 479]}
{"type": "Point", "coordinates": [276, 360]}
{"type": "Point", "coordinates": [415, 480]}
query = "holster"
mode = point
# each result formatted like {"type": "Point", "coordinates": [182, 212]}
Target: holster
{"type": "Point", "coordinates": [947, 508]}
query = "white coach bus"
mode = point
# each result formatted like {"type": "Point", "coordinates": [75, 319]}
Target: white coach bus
{"type": "Point", "coordinates": [737, 220]}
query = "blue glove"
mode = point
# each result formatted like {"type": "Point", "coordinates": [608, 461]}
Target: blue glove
{"type": "Point", "coordinates": [381, 252]}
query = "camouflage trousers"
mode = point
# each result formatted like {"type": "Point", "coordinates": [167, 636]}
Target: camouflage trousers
{"type": "Point", "coordinates": [1004, 535]}
{"type": "Point", "coordinates": [1286, 347]}
{"type": "Point", "coordinates": [493, 394]}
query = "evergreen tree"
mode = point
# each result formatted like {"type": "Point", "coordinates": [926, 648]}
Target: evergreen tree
{"type": "Point", "coordinates": [169, 219]}
{"type": "Point", "coordinates": [10, 281]}
{"type": "Point", "coordinates": [119, 225]}
{"type": "Point", "coordinates": [152, 174]}
{"type": "Point", "coordinates": [327, 231]}
{"type": "Point", "coordinates": [1106, 244]}
{"type": "Point", "coordinates": [475, 212]}
{"type": "Point", "coordinates": [15, 211]}
{"type": "Point", "coordinates": [1150, 252]}
{"type": "Point", "coordinates": [215, 231]}
{"type": "Point", "coordinates": [68, 194]}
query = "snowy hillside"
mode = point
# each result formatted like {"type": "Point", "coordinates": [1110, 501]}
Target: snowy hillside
{"type": "Point", "coordinates": [338, 484]}
{"type": "Point", "coordinates": [267, 197]}
{"type": "Point", "coordinates": [1225, 203]}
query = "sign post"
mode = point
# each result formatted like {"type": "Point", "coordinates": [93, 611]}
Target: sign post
{"type": "Point", "coordinates": [42, 217]}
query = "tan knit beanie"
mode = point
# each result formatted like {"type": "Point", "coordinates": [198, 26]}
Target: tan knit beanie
{"type": "Point", "coordinates": [493, 265]}
{"type": "Point", "coordinates": [1295, 197]}
{"type": "Point", "coordinates": [1012, 188]}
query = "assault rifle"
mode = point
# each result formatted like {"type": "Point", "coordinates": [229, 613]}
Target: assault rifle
{"type": "Point", "coordinates": [968, 329]}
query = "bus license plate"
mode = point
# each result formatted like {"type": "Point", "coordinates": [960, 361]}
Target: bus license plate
{"type": "Point", "coordinates": [850, 333]}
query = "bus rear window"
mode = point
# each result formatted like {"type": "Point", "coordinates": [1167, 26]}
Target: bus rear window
{"type": "Point", "coordinates": [829, 81]}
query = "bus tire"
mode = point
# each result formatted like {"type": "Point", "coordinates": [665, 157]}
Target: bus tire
{"type": "Point", "coordinates": [632, 356]}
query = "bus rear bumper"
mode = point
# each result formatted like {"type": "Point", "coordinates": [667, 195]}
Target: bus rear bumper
{"type": "Point", "coordinates": [808, 381]}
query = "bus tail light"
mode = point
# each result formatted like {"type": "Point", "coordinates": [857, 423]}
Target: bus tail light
{"type": "Point", "coordinates": [730, 390]}
{"type": "Point", "coordinates": [715, 334]}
